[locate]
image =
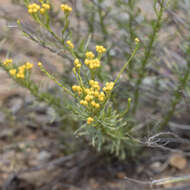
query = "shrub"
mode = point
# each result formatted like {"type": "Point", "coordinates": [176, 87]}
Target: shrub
{"type": "Point", "coordinates": [104, 105]}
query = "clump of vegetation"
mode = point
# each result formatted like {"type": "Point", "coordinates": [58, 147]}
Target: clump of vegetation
{"type": "Point", "coordinates": [104, 105]}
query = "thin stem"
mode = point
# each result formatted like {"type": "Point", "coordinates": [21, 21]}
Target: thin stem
{"type": "Point", "coordinates": [177, 98]}
{"type": "Point", "coordinates": [147, 54]}
{"type": "Point", "coordinates": [127, 63]}
{"type": "Point", "coordinates": [55, 80]}
{"type": "Point", "coordinates": [131, 30]}
{"type": "Point", "coordinates": [121, 71]}
{"type": "Point", "coordinates": [127, 109]}
{"type": "Point", "coordinates": [102, 24]}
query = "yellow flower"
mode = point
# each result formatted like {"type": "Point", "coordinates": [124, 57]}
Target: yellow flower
{"type": "Point", "coordinates": [93, 103]}
{"type": "Point", "coordinates": [22, 68]}
{"type": "Point", "coordinates": [100, 49]}
{"type": "Point", "coordinates": [46, 6]}
{"type": "Point", "coordinates": [109, 86]}
{"type": "Point", "coordinates": [12, 72]}
{"type": "Point", "coordinates": [87, 62]}
{"type": "Point", "coordinates": [28, 65]}
{"type": "Point", "coordinates": [91, 66]}
{"type": "Point", "coordinates": [7, 61]}
{"type": "Point", "coordinates": [66, 8]}
{"type": "Point", "coordinates": [94, 84]}
{"type": "Point", "coordinates": [88, 98]}
{"type": "Point", "coordinates": [89, 55]}
{"type": "Point", "coordinates": [33, 8]}
{"type": "Point", "coordinates": [84, 102]}
{"type": "Point", "coordinates": [101, 97]}
{"type": "Point", "coordinates": [87, 90]}
{"type": "Point", "coordinates": [90, 120]}
{"type": "Point", "coordinates": [39, 64]}
{"type": "Point", "coordinates": [76, 88]}
{"type": "Point", "coordinates": [77, 63]}
{"type": "Point", "coordinates": [93, 63]}
{"type": "Point", "coordinates": [70, 44]}
{"type": "Point", "coordinates": [30, 11]}
{"type": "Point", "coordinates": [20, 75]}
{"type": "Point", "coordinates": [96, 93]}
{"type": "Point", "coordinates": [136, 40]}
{"type": "Point", "coordinates": [96, 63]}
{"type": "Point", "coordinates": [42, 11]}
{"type": "Point", "coordinates": [91, 82]}
{"type": "Point", "coordinates": [97, 106]}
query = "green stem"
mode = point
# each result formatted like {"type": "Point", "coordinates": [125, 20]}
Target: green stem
{"type": "Point", "coordinates": [127, 63]}
{"type": "Point", "coordinates": [147, 54]}
{"type": "Point", "coordinates": [102, 24]}
{"type": "Point", "coordinates": [121, 71]}
{"type": "Point", "coordinates": [127, 109]}
{"type": "Point", "coordinates": [177, 98]}
{"type": "Point", "coordinates": [55, 80]}
{"type": "Point", "coordinates": [131, 30]}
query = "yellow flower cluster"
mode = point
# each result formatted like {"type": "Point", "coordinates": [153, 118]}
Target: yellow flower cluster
{"type": "Point", "coordinates": [90, 120]}
{"type": "Point", "coordinates": [70, 44]}
{"type": "Point", "coordinates": [77, 63]}
{"type": "Point", "coordinates": [66, 8]}
{"type": "Point", "coordinates": [100, 49]}
{"type": "Point", "coordinates": [20, 72]}
{"type": "Point", "coordinates": [77, 89]}
{"type": "Point", "coordinates": [137, 40]}
{"type": "Point", "coordinates": [28, 65]}
{"type": "Point", "coordinates": [45, 6]}
{"type": "Point", "coordinates": [89, 55]}
{"type": "Point", "coordinates": [94, 84]}
{"type": "Point", "coordinates": [109, 86]}
{"type": "Point", "coordinates": [92, 97]}
{"type": "Point", "coordinates": [12, 72]}
{"type": "Point", "coordinates": [92, 63]}
{"type": "Point", "coordinates": [7, 62]}
{"type": "Point", "coordinates": [34, 8]}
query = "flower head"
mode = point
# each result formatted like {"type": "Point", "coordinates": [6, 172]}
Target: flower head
{"type": "Point", "coordinates": [77, 89]}
{"type": "Point", "coordinates": [92, 63]}
{"type": "Point", "coordinates": [28, 65]}
{"type": "Point", "coordinates": [66, 8]}
{"type": "Point", "coordinates": [70, 44]}
{"type": "Point", "coordinates": [137, 40]}
{"type": "Point", "coordinates": [109, 86]}
{"type": "Point", "coordinates": [7, 61]}
{"type": "Point", "coordinates": [77, 63]}
{"type": "Point", "coordinates": [12, 72]}
{"type": "Point", "coordinates": [46, 6]}
{"type": "Point", "coordinates": [90, 120]}
{"type": "Point", "coordinates": [100, 49]}
{"type": "Point", "coordinates": [89, 55]}
{"type": "Point", "coordinates": [39, 64]}
{"type": "Point", "coordinates": [33, 8]}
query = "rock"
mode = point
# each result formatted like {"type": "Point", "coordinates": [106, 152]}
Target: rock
{"type": "Point", "coordinates": [43, 156]}
{"type": "Point", "coordinates": [6, 133]}
{"type": "Point", "coordinates": [155, 166]}
{"type": "Point", "coordinates": [178, 161]}
{"type": "Point", "coordinates": [15, 104]}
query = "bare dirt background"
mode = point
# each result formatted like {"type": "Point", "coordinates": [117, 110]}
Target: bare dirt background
{"type": "Point", "coordinates": [29, 140]}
